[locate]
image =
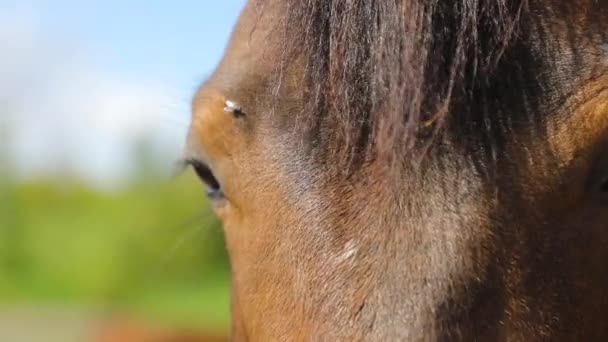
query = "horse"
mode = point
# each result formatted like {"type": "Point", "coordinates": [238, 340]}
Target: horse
{"type": "Point", "coordinates": [411, 169]}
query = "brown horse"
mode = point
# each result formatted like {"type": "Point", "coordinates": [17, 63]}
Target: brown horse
{"type": "Point", "coordinates": [412, 169]}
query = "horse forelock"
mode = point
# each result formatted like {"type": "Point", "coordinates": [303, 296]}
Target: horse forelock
{"type": "Point", "coordinates": [382, 77]}
{"type": "Point", "coordinates": [382, 80]}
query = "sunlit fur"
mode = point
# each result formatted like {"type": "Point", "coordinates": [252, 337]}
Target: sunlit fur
{"type": "Point", "coordinates": [413, 170]}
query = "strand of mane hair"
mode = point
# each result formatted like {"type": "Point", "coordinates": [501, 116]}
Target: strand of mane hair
{"type": "Point", "coordinates": [381, 76]}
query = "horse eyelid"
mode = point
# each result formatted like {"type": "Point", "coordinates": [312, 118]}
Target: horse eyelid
{"type": "Point", "coordinates": [206, 175]}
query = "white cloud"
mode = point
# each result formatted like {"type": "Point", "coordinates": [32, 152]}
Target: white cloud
{"type": "Point", "coordinates": [65, 110]}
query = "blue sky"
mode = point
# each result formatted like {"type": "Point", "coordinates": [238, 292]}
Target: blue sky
{"type": "Point", "coordinates": [173, 41]}
{"type": "Point", "coordinates": [84, 79]}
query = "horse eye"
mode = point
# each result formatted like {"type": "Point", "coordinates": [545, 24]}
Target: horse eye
{"type": "Point", "coordinates": [204, 173]}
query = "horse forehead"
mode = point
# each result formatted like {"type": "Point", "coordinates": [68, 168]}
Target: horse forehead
{"type": "Point", "coordinates": [254, 47]}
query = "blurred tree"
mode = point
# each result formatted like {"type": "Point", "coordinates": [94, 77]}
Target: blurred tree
{"type": "Point", "coordinates": [152, 245]}
{"type": "Point", "coordinates": [147, 161]}
{"type": "Point", "coordinates": [12, 236]}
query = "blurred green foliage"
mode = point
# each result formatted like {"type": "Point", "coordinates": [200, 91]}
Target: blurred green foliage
{"type": "Point", "coordinates": [152, 247]}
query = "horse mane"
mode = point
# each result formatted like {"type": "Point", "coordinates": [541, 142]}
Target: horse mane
{"type": "Point", "coordinates": [381, 76]}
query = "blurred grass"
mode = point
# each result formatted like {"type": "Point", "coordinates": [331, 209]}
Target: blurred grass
{"type": "Point", "coordinates": [151, 248]}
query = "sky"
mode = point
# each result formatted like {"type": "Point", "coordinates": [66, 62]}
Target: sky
{"type": "Point", "coordinates": [81, 80]}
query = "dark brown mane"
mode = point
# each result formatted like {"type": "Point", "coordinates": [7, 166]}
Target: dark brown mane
{"type": "Point", "coordinates": [382, 75]}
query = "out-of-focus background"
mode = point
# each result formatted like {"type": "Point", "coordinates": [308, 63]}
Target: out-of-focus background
{"type": "Point", "coordinates": [98, 241]}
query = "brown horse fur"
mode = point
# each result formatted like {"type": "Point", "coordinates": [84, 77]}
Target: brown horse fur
{"type": "Point", "coordinates": [412, 169]}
